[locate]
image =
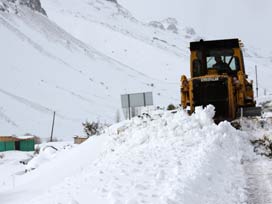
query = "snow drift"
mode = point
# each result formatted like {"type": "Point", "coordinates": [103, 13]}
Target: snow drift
{"type": "Point", "coordinates": [163, 157]}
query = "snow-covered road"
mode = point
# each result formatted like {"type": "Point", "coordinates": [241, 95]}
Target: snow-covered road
{"type": "Point", "coordinates": [258, 169]}
{"type": "Point", "coordinates": [259, 180]}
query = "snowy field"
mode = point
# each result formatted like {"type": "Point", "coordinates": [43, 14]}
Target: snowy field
{"type": "Point", "coordinates": [162, 157]}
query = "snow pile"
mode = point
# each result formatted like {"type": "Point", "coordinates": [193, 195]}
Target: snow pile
{"type": "Point", "coordinates": [47, 152]}
{"type": "Point", "coordinates": [45, 155]}
{"type": "Point", "coordinates": [164, 157]}
{"type": "Point", "coordinates": [11, 166]}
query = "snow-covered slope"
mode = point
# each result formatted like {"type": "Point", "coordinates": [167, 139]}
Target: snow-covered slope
{"type": "Point", "coordinates": [162, 158]}
{"type": "Point", "coordinates": [93, 22]}
{"type": "Point", "coordinates": [47, 69]}
{"type": "Point", "coordinates": [158, 48]}
{"type": "Point", "coordinates": [213, 19]}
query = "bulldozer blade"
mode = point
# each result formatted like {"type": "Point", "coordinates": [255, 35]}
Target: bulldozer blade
{"type": "Point", "coordinates": [249, 112]}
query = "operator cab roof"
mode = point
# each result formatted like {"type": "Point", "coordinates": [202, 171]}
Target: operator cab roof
{"type": "Point", "coordinates": [214, 44]}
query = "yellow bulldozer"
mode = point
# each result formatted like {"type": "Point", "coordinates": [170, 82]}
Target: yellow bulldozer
{"type": "Point", "coordinates": [218, 77]}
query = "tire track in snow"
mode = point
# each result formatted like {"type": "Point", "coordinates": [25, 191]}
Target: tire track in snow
{"type": "Point", "coordinates": [259, 178]}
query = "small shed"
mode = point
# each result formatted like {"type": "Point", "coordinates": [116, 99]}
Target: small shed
{"type": "Point", "coordinates": [25, 143]}
{"type": "Point", "coordinates": [79, 139]}
{"type": "Point", "coordinates": [7, 143]}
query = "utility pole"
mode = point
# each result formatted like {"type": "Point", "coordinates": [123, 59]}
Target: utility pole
{"type": "Point", "coordinates": [53, 123]}
{"type": "Point", "coordinates": [129, 116]}
{"type": "Point", "coordinates": [144, 99]}
{"type": "Point", "coordinates": [256, 73]}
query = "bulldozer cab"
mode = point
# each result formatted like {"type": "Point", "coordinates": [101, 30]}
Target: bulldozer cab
{"type": "Point", "coordinates": [216, 57]}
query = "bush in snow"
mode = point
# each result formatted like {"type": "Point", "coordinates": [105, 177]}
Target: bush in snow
{"type": "Point", "coordinates": [171, 107]}
{"type": "Point", "coordinates": [263, 146]}
{"type": "Point", "coordinates": [93, 128]}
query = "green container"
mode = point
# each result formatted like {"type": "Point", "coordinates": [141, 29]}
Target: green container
{"type": "Point", "coordinates": [2, 147]}
{"type": "Point", "coordinates": [10, 146]}
{"type": "Point", "coordinates": [27, 145]}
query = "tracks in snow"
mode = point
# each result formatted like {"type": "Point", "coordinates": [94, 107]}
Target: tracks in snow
{"type": "Point", "coordinates": [259, 180]}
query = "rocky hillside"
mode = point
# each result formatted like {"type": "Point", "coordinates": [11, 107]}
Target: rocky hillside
{"type": "Point", "coordinates": [35, 5]}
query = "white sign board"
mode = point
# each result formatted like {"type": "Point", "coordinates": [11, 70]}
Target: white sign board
{"type": "Point", "coordinates": [137, 100]}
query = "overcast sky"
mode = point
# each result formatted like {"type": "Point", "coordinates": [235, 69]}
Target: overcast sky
{"type": "Point", "coordinates": [249, 20]}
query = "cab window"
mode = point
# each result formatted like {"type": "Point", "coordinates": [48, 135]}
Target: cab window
{"type": "Point", "coordinates": [217, 58]}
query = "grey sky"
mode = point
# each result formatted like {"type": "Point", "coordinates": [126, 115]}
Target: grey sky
{"type": "Point", "coordinates": [249, 20]}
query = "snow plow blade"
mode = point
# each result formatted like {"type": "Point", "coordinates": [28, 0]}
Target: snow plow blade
{"type": "Point", "coordinates": [249, 112]}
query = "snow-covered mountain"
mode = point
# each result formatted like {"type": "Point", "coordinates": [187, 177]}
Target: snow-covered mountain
{"type": "Point", "coordinates": [48, 69]}
{"type": "Point", "coordinates": [246, 19]}
{"type": "Point", "coordinates": [77, 57]}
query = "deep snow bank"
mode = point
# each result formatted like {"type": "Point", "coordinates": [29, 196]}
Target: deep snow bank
{"type": "Point", "coordinates": [161, 158]}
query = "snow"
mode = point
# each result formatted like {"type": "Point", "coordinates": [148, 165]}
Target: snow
{"type": "Point", "coordinates": [158, 157]}
{"type": "Point", "coordinates": [55, 71]}
{"type": "Point", "coordinates": [163, 157]}
{"type": "Point", "coordinates": [10, 167]}
{"type": "Point", "coordinates": [77, 62]}
{"type": "Point", "coordinates": [47, 152]}
{"type": "Point", "coordinates": [24, 137]}
{"type": "Point", "coordinates": [259, 177]}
